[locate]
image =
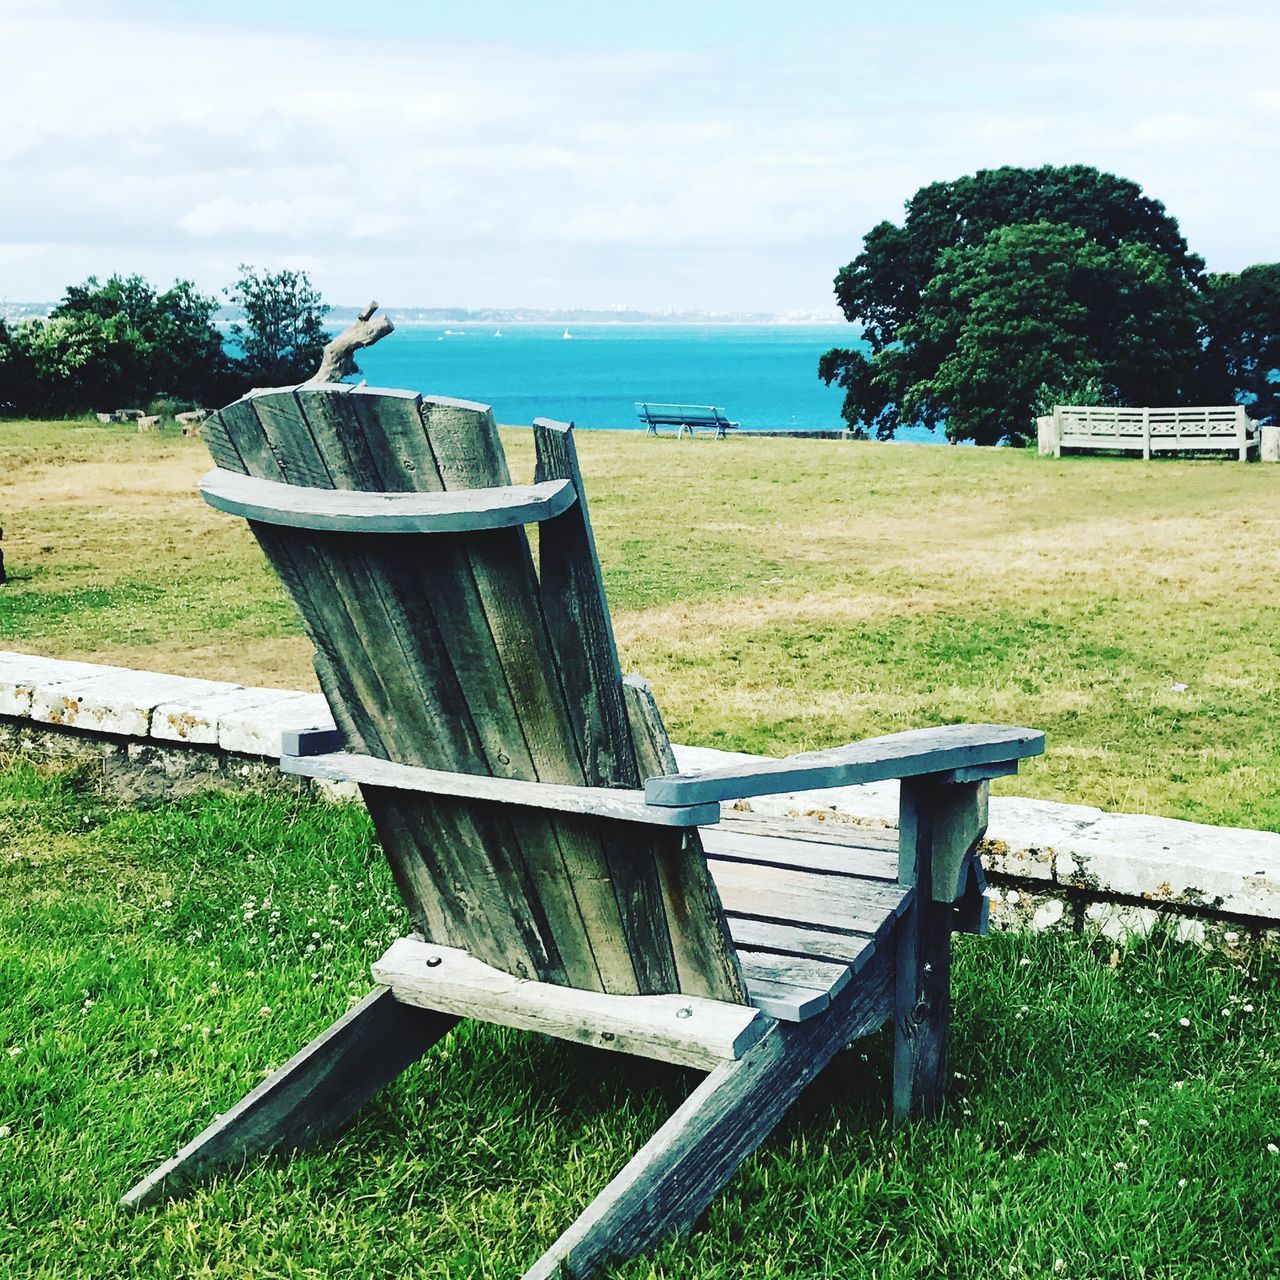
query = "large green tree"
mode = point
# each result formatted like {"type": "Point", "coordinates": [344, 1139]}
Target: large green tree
{"type": "Point", "coordinates": [914, 287]}
{"type": "Point", "coordinates": [1039, 307]}
{"type": "Point", "coordinates": [281, 336]}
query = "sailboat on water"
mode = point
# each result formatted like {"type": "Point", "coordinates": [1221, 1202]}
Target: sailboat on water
{"type": "Point", "coordinates": [566, 334]}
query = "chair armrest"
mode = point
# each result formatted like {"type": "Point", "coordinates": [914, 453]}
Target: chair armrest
{"type": "Point", "coordinates": [953, 748]}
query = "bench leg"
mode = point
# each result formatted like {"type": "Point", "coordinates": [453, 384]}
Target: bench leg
{"type": "Point", "coordinates": [940, 825]}
{"type": "Point", "coordinates": [676, 1174]}
{"type": "Point", "coordinates": [312, 1097]}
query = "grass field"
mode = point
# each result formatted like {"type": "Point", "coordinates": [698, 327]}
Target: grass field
{"type": "Point", "coordinates": [1111, 1114]}
{"type": "Point", "coordinates": [779, 594]}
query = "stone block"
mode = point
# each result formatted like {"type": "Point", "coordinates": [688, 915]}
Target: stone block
{"type": "Point", "coordinates": [255, 731]}
{"type": "Point", "coordinates": [197, 717]}
{"type": "Point", "coordinates": [1171, 861]}
{"type": "Point", "coordinates": [1119, 922]}
{"type": "Point", "coordinates": [1046, 435]}
{"type": "Point", "coordinates": [1269, 444]}
{"type": "Point", "coordinates": [21, 672]}
{"type": "Point", "coordinates": [115, 700]}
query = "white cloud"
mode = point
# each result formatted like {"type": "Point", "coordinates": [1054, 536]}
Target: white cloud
{"type": "Point", "coordinates": [425, 169]}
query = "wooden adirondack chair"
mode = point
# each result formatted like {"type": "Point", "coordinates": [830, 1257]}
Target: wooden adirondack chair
{"type": "Point", "coordinates": [546, 847]}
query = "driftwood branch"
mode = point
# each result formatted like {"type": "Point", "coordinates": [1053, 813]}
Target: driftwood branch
{"type": "Point", "coordinates": [339, 353]}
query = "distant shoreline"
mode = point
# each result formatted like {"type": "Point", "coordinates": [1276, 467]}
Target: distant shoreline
{"type": "Point", "coordinates": [617, 324]}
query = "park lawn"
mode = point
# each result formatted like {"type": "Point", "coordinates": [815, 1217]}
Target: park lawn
{"type": "Point", "coordinates": [1111, 1113]}
{"type": "Point", "coordinates": [780, 595]}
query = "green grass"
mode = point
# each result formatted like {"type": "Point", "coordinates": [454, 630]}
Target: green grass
{"type": "Point", "coordinates": [779, 594]}
{"type": "Point", "coordinates": [156, 962]}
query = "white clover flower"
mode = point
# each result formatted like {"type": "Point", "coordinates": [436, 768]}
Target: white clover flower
{"type": "Point", "coordinates": [1275, 1151]}
{"type": "Point", "coordinates": [1184, 1022]}
{"type": "Point", "coordinates": [1025, 960]}
{"type": "Point", "coordinates": [1143, 1122]}
{"type": "Point", "coordinates": [5, 1130]}
{"type": "Point", "coordinates": [15, 1050]}
{"type": "Point", "coordinates": [1120, 1166]}
{"type": "Point", "coordinates": [265, 1011]}
{"type": "Point", "coordinates": [1182, 1182]}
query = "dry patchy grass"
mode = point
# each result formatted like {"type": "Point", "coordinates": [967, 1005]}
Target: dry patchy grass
{"type": "Point", "coordinates": [779, 594]}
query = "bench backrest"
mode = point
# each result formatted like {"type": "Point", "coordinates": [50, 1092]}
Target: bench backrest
{"type": "Point", "coordinates": [1102, 422]}
{"type": "Point", "coordinates": [691, 415]}
{"type": "Point", "coordinates": [448, 651]}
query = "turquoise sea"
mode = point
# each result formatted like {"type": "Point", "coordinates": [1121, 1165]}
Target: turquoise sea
{"type": "Point", "coordinates": [763, 375]}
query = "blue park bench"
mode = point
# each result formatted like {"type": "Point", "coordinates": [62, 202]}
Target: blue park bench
{"type": "Point", "coordinates": [687, 417]}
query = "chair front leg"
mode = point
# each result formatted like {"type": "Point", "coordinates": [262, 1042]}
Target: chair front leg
{"type": "Point", "coordinates": [940, 824]}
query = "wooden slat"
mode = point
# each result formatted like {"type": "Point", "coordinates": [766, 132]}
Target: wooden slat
{"type": "Point", "coordinates": [700, 939]}
{"type": "Point", "coordinates": [795, 971]}
{"type": "Point", "coordinates": [896, 755]}
{"type": "Point", "coordinates": [857, 835]}
{"type": "Point", "coordinates": [578, 619]}
{"type": "Point", "coordinates": [807, 855]}
{"type": "Point", "coordinates": [600, 802]}
{"type": "Point", "coordinates": [808, 898]}
{"type": "Point", "coordinates": [849, 948]}
{"type": "Point", "coordinates": [785, 1001]}
{"type": "Point", "coordinates": [688, 1030]}
{"type": "Point", "coordinates": [360, 511]}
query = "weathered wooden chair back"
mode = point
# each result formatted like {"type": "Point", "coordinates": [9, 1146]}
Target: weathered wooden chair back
{"type": "Point", "coordinates": [447, 650]}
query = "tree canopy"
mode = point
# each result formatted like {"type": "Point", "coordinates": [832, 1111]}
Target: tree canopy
{"type": "Point", "coordinates": [122, 343]}
{"type": "Point", "coordinates": [1243, 348]}
{"type": "Point", "coordinates": [282, 335]}
{"type": "Point", "coordinates": [115, 343]}
{"type": "Point", "coordinates": [1010, 285]}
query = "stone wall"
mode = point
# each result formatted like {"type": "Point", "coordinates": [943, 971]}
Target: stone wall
{"type": "Point", "coordinates": [1051, 866]}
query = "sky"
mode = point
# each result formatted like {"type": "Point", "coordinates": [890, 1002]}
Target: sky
{"type": "Point", "coordinates": [708, 154]}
